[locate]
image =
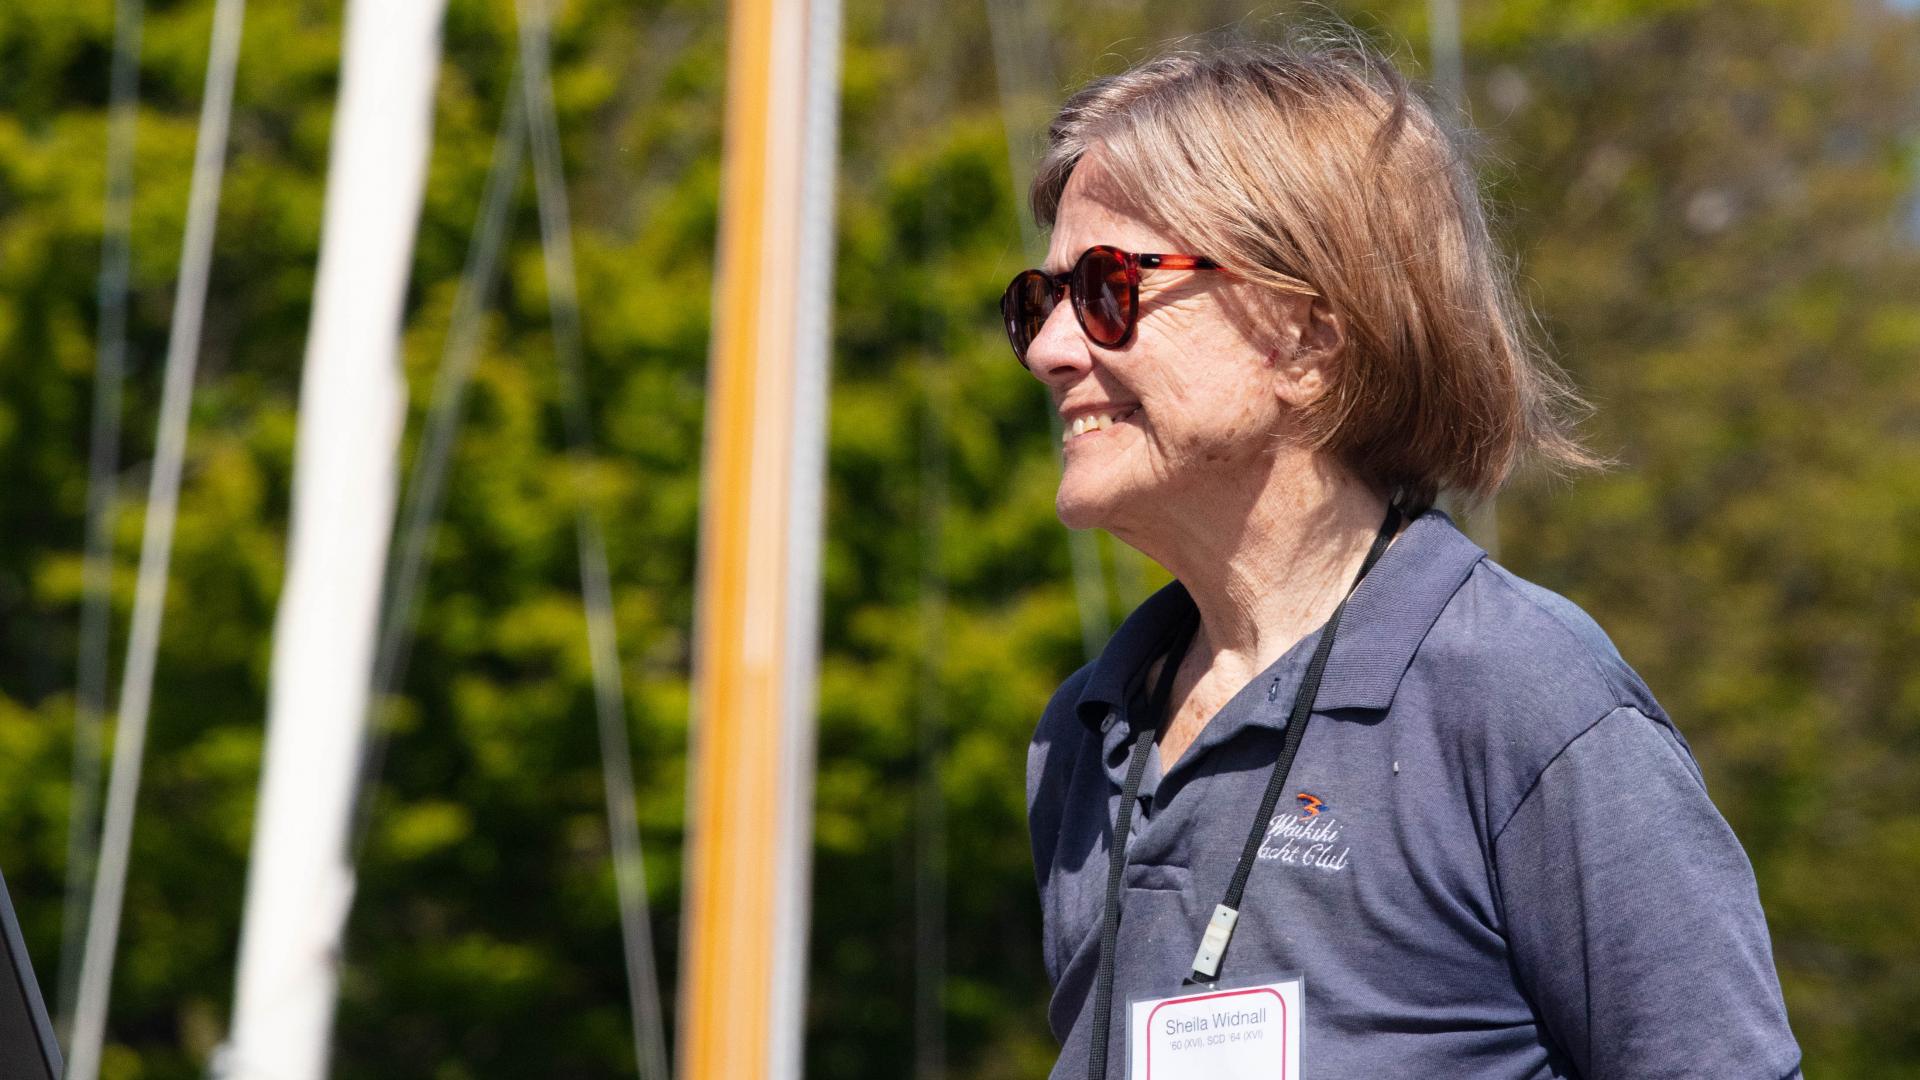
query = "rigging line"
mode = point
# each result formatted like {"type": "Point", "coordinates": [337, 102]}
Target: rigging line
{"type": "Point", "coordinates": [616, 751]}
{"type": "Point", "coordinates": [812, 358]}
{"type": "Point", "coordinates": [103, 457]}
{"type": "Point", "coordinates": [1447, 61]}
{"type": "Point", "coordinates": [1443, 32]}
{"type": "Point", "coordinates": [1016, 67]}
{"type": "Point", "coordinates": [156, 545]}
{"type": "Point", "coordinates": [426, 479]}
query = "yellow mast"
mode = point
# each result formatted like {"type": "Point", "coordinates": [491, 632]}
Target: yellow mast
{"type": "Point", "coordinates": [750, 797]}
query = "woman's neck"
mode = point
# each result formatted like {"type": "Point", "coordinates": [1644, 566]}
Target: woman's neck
{"type": "Point", "coordinates": [1269, 566]}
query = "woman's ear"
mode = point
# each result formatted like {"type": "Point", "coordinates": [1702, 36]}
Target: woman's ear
{"type": "Point", "coordinates": [1325, 330]}
{"type": "Point", "coordinates": [1313, 336]}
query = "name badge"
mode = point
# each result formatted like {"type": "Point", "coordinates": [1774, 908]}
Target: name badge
{"type": "Point", "coordinates": [1244, 1033]}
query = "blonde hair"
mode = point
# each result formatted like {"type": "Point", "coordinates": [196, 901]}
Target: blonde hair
{"type": "Point", "coordinates": [1311, 166]}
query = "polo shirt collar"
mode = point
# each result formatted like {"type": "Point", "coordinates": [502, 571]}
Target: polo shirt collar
{"type": "Point", "coordinates": [1385, 621]}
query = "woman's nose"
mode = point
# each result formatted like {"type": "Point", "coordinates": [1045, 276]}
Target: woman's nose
{"type": "Point", "coordinates": [1058, 353]}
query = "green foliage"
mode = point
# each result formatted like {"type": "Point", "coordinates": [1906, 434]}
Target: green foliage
{"type": "Point", "coordinates": [1703, 199]}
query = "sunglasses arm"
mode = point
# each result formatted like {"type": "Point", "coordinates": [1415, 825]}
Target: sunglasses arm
{"type": "Point", "coordinates": [1176, 262]}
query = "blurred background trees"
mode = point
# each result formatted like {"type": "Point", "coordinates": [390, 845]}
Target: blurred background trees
{"type": "Point", "coordinates": [1713, 209]}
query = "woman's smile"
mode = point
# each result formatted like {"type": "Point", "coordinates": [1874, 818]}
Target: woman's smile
{"type": "Point", "coordinates": [1093, 424]}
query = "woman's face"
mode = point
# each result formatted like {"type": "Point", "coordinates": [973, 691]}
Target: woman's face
{"type": "Point", "coordinates": [1191, 398]}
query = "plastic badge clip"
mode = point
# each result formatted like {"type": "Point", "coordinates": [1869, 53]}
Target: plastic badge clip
{"type": "Point", "coordinates": [1213, 945]}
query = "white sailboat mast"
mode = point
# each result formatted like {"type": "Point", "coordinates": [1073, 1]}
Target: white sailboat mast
{"type": "Point", "coordinates": [352, 406]}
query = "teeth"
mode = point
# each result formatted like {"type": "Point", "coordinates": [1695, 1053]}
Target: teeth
{"type": "Point", "coordinates": [1095, 422]}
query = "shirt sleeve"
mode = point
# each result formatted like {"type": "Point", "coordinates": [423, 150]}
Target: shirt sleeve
{"type": "Point", "coordinates": [1633, 916]}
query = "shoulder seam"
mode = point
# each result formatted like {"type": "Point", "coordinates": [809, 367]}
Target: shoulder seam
{"type": "Point", "coordinates": [1534, 784]}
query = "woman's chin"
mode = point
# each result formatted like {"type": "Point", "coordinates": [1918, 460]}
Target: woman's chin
{"type": "Point", "coordinates": [1085, 509]}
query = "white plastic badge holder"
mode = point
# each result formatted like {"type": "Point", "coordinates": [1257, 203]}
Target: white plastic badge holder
{"type": "Point", "coordinates": [1242, 1032]}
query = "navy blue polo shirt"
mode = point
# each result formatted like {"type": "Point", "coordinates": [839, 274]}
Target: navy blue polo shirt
{"type": "Point", "coordinates": [1494, 857]}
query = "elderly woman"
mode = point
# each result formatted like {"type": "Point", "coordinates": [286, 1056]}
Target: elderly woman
{"type": "Point", "coordinates": [1347, 799]}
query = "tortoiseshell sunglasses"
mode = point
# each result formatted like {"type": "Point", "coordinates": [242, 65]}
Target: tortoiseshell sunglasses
{"type": "Point", "coordinates": [1105, 285]}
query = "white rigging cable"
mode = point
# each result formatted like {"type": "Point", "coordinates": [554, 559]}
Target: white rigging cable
{"type": "Point", "coordinates": [630, 885]}
{"type": "Point", "coordinates": [156, 545]}
{"type": "Point", "coordinates": [813, 262]}
{"type": "Point", "coordinates": [1450, 82]}
{"type": "Point", "coordinates": [103, 459]}
{"type": "Point", "coordinates": [1443, 30]}
{"type": "Point", "coordinates": [1017, 72]}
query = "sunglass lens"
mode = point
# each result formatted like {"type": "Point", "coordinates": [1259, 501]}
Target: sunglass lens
{"type": "Point", "coordinates": [1104, 295]}
{"type": "Point", "coordinates": [1026, 305]}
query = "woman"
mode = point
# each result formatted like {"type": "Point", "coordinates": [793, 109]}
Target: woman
{"type": "Point", "coordinates": [1427, 825]}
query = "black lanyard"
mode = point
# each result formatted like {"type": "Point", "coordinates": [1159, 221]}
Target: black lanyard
{"type": "Point", "coordinates": [1206, 962]}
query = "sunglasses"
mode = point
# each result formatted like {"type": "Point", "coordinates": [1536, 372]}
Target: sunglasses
{"type": "Point", "coordinates": [1105, 285]}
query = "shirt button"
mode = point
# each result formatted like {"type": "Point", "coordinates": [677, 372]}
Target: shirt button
{"type": "Point", "coordinates": [1107, 724]}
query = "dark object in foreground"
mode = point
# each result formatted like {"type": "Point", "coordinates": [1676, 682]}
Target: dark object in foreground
{"type": "Point", "coordinates": [28, 1050]}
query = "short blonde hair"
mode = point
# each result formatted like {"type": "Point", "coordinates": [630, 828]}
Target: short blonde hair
{"type": "Point", "coordinates": [1311, 166]}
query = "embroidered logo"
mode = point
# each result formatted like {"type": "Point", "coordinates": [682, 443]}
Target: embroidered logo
{"type": "Point", "coordinates": [1308, 837]}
